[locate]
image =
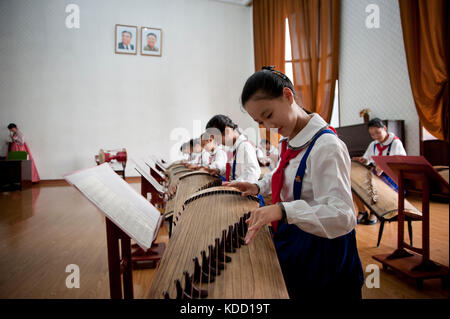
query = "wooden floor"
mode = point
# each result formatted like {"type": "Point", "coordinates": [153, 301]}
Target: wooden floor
{"type": "Point", "coordinates": [46, 228]}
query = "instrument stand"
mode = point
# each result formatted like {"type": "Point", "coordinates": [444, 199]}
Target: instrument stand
{"type": "Point", "coordinates": [150, 258]}
{"type": "Point", "coordinates": [123, 257]}
{"type": "Point", "coordinates": [415, 263]}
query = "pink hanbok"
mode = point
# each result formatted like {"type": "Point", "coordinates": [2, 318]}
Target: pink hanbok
{"type": "Point", "coordinates": [18, 144]}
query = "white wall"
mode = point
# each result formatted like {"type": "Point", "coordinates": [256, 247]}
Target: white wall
{"type": "Point", "coordinates": [71, 94]}
{"type": "Point", "coordinates": [373, 71]}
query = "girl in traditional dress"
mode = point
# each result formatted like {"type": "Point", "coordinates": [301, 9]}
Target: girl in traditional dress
{"type": "Point", "coordinates": [18, 144]}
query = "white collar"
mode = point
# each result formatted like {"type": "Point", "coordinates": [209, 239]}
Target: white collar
{"type": "Point", "coordinates": [238, 142]}
{"type": "Point", "coordinates": [315, 124]}
{"type": "Point", "coordinates": [389, 139]}
{"type": "Point", "coordinates": [216, 149]}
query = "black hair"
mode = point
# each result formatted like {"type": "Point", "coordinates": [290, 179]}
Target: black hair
{"type": "Point", "coordinates": [195, 141]}
{"type": "Point", "coordinates": [151, 33]}
{"type": "Point", "coordinates": [376, 122]}
{"type": "Point", "coordinates": [131, 35]}
{"type": "Point", "coordinates": [184, 145]}
{"type": "Point", "coordinates": [11, 126]}
{"type": "Point", "coordinates": [220, 122]}
{"type": "Point", "coordinates": [213, 133]}
{"type": "Point", "coordinates": [269, 82]}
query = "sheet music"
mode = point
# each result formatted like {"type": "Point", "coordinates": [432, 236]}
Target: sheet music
{"type": "Point", "coordinates": [144, 172]}
{"type": "Point", "coordinates": [151, 163]}
{"type": "Point", "coordinates": [157, 160]}
{"type": "Point", "coordinates": [119, 202]}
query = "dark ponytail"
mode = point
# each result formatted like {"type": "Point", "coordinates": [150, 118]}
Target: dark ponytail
{"type": "Point", "coordinates": [267, 82]}
{"type": "Point", "coordinates": [220, 122]}
{"type": "Point", "coordinates": [11, 126]}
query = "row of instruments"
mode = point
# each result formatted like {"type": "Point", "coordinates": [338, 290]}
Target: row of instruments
{"type": "Point", "coordinates": [206, 256]}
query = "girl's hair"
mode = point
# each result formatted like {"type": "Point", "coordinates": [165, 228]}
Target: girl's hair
{"type": "Point", "coordinates": [375, 122]}
{"type": "Point", "coordinates": [184, 145]}
{"type": "Point", "coordinates": [210, 133]}
{"type": "Point", "coordinates": [268, 82]}
{"type": "Point", "coordinates": [11, 126]}
{"type": "Point", "coordinates": [195, 141]}
{"type": "Point", "coordinates": [220, 122]}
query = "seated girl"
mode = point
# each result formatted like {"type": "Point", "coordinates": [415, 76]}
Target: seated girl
{"type": "Point", "coordinates": [217, 156]}
{"type": "Point", "coordinates": [384, 144]}
{"type": "Point", "coordinates": [242, 164]}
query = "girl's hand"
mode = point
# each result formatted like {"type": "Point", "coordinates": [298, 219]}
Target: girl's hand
{"type": "Point", "coordinates": [379, 171]}
{"type": "Point", "coordinates": [261, 217]}
{"type": "Point", "coordinates": [214, 172]}
{"type": "Point", "coordinates": [244, 187]}
{"type": "Point", "coordinates": [362, 160]}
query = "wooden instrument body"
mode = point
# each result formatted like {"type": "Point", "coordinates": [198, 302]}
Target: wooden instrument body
{"type": "Point", "coordinates": [187, 182]}
{"type": "Point", "coordinates": [254, 270]}
{"type": "Point", "coordinates": [386, 205]}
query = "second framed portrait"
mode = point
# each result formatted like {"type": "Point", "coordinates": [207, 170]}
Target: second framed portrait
{"type": "Point", "coordinates": [126, 39]}
{"type": "Point", "coordinates": [151, 41]}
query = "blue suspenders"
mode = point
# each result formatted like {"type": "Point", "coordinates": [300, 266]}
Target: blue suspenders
{"type": "Point", "coordinates": [389, 148]}
{"type": "Point", "coordinates": [312, 264]}
{"type": "Point", "coordinates": [302, 167]}
{"type": "Point", "coordinates": [233, 174]}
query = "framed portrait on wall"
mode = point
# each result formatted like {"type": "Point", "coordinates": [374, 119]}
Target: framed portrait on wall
{"type": "Point", "coordinates": [151, 41]}
{"type": "Point", "coordinates": [126, 39]}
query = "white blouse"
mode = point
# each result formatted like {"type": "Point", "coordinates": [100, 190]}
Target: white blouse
{"type": "Point", "coordinates": [326, 205]}
{"type": "Point", "coordinates": [204, 160]}
{"type": "Point", "coordinates": [270, 157]}
{"type": "Point", "coordinates": [18, 138]}
{"type": "Point", "coordinates": [218, 160]}
{"type": "Point", "coordinates": [396, 149]}
{"type": "Point", "coordinates": [195, 158]}
{"type": "Point", "coordinates": [247, 166]}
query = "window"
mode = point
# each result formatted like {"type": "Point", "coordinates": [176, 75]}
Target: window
{"type": "Point", "coordinates": [289, 71]}
{"type": "Point", "coordinates": [427, 136]}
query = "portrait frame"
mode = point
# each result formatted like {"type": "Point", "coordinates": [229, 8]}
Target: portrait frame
{"type": "Point", "coordinates": [118, 45]}
{"type": "Point", "coordinates": [145, 47]}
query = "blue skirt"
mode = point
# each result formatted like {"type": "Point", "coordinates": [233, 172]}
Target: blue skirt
{"type": "Point", "coordinates": [316, 267]}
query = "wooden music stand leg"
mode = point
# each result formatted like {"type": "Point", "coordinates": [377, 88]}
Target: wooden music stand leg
{"type": "Point", "coordinates": [415, 266]}
{"type": "Point", "coordinates": [115, 285]}
{"type": "Point", "coordinates": [426, 264]}
{"type": "Point", "coordinates": [119, 266]}
{"type": "Point", "coordinates": [400, 252]}
{"type": "Point", "coordinates": [125, 244]}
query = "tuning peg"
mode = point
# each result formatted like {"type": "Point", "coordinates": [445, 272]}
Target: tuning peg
{"type": "Point", "coordinates": [166, 295]}
{"type": "Point", "coordinates": [199, 275]}
{"type": "Point", "coordinates": [191, 290]}
{"type": "Point", "coordinates": [223, 256]}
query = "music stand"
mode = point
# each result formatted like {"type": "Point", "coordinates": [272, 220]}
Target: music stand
{"type": "Point", "coordinates": [413, 173]}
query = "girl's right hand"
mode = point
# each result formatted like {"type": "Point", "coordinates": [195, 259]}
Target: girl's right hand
{"type": "Point", "coordinates": [362, 160]}
{"type": "Point", "coordinates": [246, 188]}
